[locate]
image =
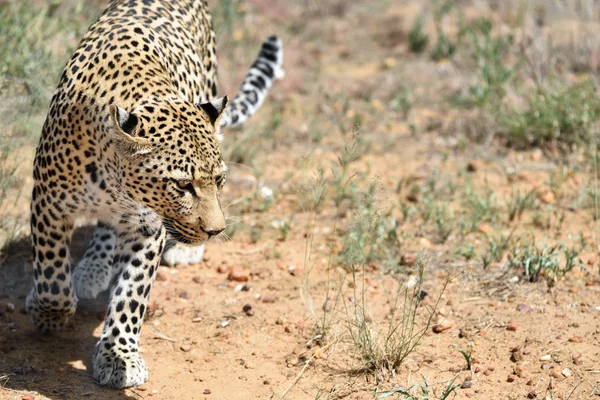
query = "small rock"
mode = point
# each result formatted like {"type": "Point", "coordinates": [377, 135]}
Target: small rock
{"type": "Point", "coordinates": [162, 276]}
{"type": "Point", "coordinates": [222, 269]}
{"type": "Point", "coordinates": [546, 357]}
{"type": "Point", "coordinates": [512, 326]}
{"type": "Point", "coordinates": [536, 155]}
{"type": "Point", "coordinates": [184, 295]}
{"type": "Point", "coordinates": [198, 279]}
{"type": "Point", "coordinates": [532, 395]}
{"type": "Point", "coordinates": [524, 308]}
{"type": "Point", "coordinates": [510, 378]}
{"type": "Point", "coordinates": [546, 366]}
{"type": "Point", "coordinates": [556, 373]}
{"type": "Point", "coordinates": [566, 372]}
{"type": "Point", "coordinates": [466, 384]}
{"type": "Point", "coordinates": [206, 391]}
{"type": "Point", "coordinates": [268, 299]}
{"type": "Point", "coordinates": [238, 275]}
{"type": "Point", "coordinates": [547, 197]}
{"type": "Point", "coordinates": [388, 63]}
{"type": "Point", "coordinates": [516, 355]}
{"type": "Point", "coordinates": [248, 365]}
{"type": "Point", "coordinates": [408, 259]}
{"type": "Point", "coordinates": [266, 382]}
{"type": "Point", "coordinates": [442, 325]}
{"type": "Point", "coordinates": [248, 310]}
{"type": "Point", "coordinates": [486, 228]}
{"type": "Point", "coordinates": [10, 307]}
{"type": "Point", "coordinates": [576, 339]}
{"type": "Point", "coordinates": [28, 397]}
{"type": "Point", "coordinates": [473, 166]}
{"type": "Point", "coordinates": [185, 347]}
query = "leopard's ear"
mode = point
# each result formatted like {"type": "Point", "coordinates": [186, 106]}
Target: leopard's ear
{"type": "Point", "coordinates": [215, 109]}
{"type": "Point", "coordinates": [124, 126]}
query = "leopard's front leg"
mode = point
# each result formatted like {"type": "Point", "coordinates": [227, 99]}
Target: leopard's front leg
{"type": "Point", "coordinates": [117, 362]}
{"type": "Point", "coordinates": [52, 300]}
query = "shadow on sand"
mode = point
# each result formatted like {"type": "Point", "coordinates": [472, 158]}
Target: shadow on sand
{"type": "Point", "coordinates": [56, 366]}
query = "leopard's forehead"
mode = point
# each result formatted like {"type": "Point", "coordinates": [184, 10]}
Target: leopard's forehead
{"type": "Point", "coordinates": [185, 141]}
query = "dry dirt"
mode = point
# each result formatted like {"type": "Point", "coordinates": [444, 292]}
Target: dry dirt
{"type": "Point", "coordinates": [199, 340]}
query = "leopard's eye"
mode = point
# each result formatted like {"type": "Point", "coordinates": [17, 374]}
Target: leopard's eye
{"type": "Point", "coordinates": [183, 183]}
{"type": "Point", "coordinates": [186, 185]}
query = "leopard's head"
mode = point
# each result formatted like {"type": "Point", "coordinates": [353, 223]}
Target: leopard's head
{"type": "Point", "coordinates": [170, 161]}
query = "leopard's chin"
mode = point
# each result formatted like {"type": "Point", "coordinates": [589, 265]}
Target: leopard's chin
{"type": "Point", "coordinates": [172, 229]}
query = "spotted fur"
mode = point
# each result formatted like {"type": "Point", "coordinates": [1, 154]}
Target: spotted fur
{"type": "Point", "coordinates": [130, 140]}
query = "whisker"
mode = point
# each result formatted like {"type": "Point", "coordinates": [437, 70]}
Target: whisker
{"type": "Point", "coordinates": [228, 163]}
{"type": "Point", "coordinates": [236, 201]}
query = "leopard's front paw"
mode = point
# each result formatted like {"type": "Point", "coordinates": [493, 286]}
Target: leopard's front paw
{"type": "Point", "coordinates": [119, 370]}
{"type": "Point", "coordinates": [49, 315]}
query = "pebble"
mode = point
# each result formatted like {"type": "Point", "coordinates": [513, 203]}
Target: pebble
{"type": "Point", "coordinates": [10, 307]}
{"type": "Point", "coordinates": [516, 355]}
{"type": "Point", "coordinates": [546, 357]}
{"type": "Point", "coordinates": [206, 391]}
{"type": "Point", "coordinates": [566, 372]}
{"type": "Point", "coordinates": [266, 382]}
{"type": "Point", "coordinates": [510, 378]}
{"type": "Point", "coordinates": [198, 279]}
{"type": "Point", "coordinates": [547, 197]}
{"type": "Point", "coordinates": [185, 347]}
{"type": "Point", "coordinates": [512, 326]}
{"type": "Point", "coordinates": [408, 259]}
{"type": "Point", "coordinates": [28, 397]}
{"type": "Point", "coordinates": [268, 299]}
{"type": "Point", "coordinates": [474, 166]}
{"type": "Point", "coordinates": [248, 310]}
{"type": "Point", "coordinates": [442, 325]}
{"type": "Point", "coordinates": [222, 269]}
{"type": "Point", "coordinates": [238, 275]}
{"type": "Point", "coordinates": [466, 384]}
{"type": "Point", "coordinates": [576, 339]}
{"type": "Point", "coordinates": [524, 308]}
{"type": "Point", "coordinates": [532, 395]}
{"type": "Point", "coordinates": [162, 276]}
{"type": "Point", "coordinates": [556, 373]}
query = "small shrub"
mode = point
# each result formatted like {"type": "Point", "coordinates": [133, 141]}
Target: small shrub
{"type": "Point", "coordinates": [545, 260]}
{"type": "Point", "coordinates": [383, 349]}
{"type": "Point", "coordinates": [492, 69]}
{"type": "Point", "coordinates": [417, 39]}
{"type": "Point", "coordinates": [559, 114]}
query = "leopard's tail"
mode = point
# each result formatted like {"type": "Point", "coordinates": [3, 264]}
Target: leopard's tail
{"type": "Point", "coordinates": [266, 69]}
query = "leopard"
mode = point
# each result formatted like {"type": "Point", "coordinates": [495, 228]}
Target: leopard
{"type": "Point", "coordinates": [131, 142]}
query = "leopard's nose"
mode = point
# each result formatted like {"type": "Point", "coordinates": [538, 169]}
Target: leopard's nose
{"type": "Point", "coordinates": [213, 232]}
